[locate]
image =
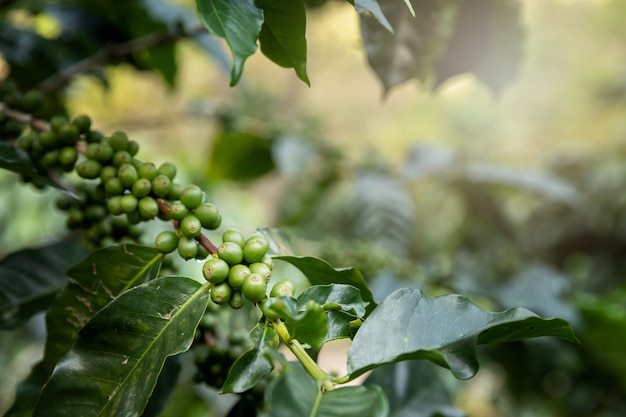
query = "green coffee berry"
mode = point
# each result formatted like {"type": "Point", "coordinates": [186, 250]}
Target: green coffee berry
{"type": "Point", "coordinates": [50, 159]}
{"type": "Point", "coordinates": [113, 186]}
{"type": "Point", "coordinates": [56, 122]}
{"type": "Point", "coordinates": [168, 169]}
{"type": "Point", "coordinates": [187, 247]}
{"type": "Point", "coordinates": [237, 300]}
{"type": "Point", "coordinates": [215, 270]}
{"type": "Point", "coordinates": [82, 123]}
{"type": "Point", "coordinates": [254, 288]}
{"type": "Point", "coordinates": [99, 194]}
{"type": "Point", "coordinates": [148, 208]}
{"type": "Point", "coordinates": [221, 293]}
{"type": "Point", "coordinates": [147, 170]}
{"type": "Point", "coordinates": [230, 252]}
{"type": "Point", "coordinates": [237, 275]}
{"type": "Point", "coordinates": [26, 142]}
{"type": "Point", "coordinates": [48, 139]}
{"type": "Point", "coordinates": [68, 157]}
{"type": "Point", "coordinates": [75, 218]}
{"type": "Point", "coordinates": [175, 191]}
{"type": "Point", "coordinates": [114, 205]}
{"type": "Point", "coordinates": [101, 152]}
{"type": "Point", "coordinates": [68, 134]}
{"type": "Point", "coordinates": [121, 157]}
{"type": "Point", "coordinates": [178, 211]}
{"type": "Point", "coordinates": [133, 147]}
{"type": "Point", "coordinates": [231, 235]}
{"type": "Point", "coordinates": [94, 136]}
{"type": "Point", "coordinates": [208, 215]}
{"type": "Point", "coordinates": [32, 101]}
{"type": "Point", "coordinates": [118, 141]}
{"type": "Point", "coordinates": [129, 203]}
{"type": "Point", "coordinates": [127, 175]}
{"type": "Point", "coordinates": [161, 185]}
{"type": "Point", "coordinates": [141, 188]}
{"type": "Point", "coordinates": [88, 169]}
{"type": "Point", "coordinates": [107, 173]}
{"type": "Point", "coordinates": [267, 260]}
{"type": "Point", "coordinates": [203, 253]}
{"type": "Point", "coordinates": [261, 269]}
{"type": "Point", "coordinates": [166, 242]}
{"type": "Point", "coordinates": [191, 196]}
{"type": "Point", "coordinates": [63, 203]}
{"type": "Point", "coordinates": [255, 249]}
{"type": "Point", "coordinates": [283, 288]}
{"type": "Point", "coordinates": [95, 212]}
{"type": "Point", "coordinates": [133, 217]}
{"type": "Point", "coordinates": [190, 226]}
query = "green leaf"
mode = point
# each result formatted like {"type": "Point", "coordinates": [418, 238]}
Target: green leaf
{"type": "Point", "coordinates": [239, 156]}
{"type": "Point", "coordinates": [295, 393]}
{"type": "Point", "coordinates": [255, 363]}
{"type": "Point", "coordinates": [238, 22]}
{"type": "Point", "coordinates": [30, 278]}
{"type": "Point", "coordinates": [282, 36]}
{"type": "Point", "coordinates": [94, 282]}
{"type": "Point", "coordinates": [16, 160]}
{"type": "Point", "coordinates": [307, 323]}
{"type": "Point", "coordinates": [444, 330]}
{"type": "Point", "coordinates": [320, 272]}
{"type": "Point", "coordinates": [114, 365]}
{"type": "Point", "coordinates": [372, 6]}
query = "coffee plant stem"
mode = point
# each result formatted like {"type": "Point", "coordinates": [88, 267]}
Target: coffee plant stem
{"type": "Point", "coordinates": [27, 119]}
{"type": "Point", "coordinates": [313, 369]}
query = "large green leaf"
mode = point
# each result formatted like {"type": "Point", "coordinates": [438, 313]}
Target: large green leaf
{"type": "Point", "coordinates": [239, 156]}
{"type": "Point", "coordinates": [238, 22]}
{"type": "Point", "coordinates": [295, 393]}
{"type": "Point", "coordinates": [307, 323]}
{"type": "Point", "coordinates": [255, 363]}
{"type": "Point", "coordinates": [93, 283]}
{"type": "Point", "coordinates": [114, 365]}
{"type": "Point", "coordinates": [282, 36]}
{"type": "Point", "coordinates": [320, 272]}
{"type": "Point", "coordinates": [444, 330]}
{"type": "Point", "coordinates": [30, 278]}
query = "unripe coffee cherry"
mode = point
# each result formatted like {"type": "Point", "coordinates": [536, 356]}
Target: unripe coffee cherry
{"type": "Point", "coordinates": [113, 186]}
{"type": "Point", "coordinates": [166, 242]}
{"type": "Point", "coordinates": [114, 205]}
{"type": "Point", "coordinates": [147, 170]}
{"type": "Point", "coordinates": [68, 134]}
{"type": "Point", "coordinates": [233, 235]}
{"type": "Point", "coordinates": [190, 226]}
{"type": "Point", "coordinates": [254, 288]}
{"type": "Point", "coordinates": [50, 159]}
{"type": "Point", "coordinates": [215, 270]}
{"type": "Point", "coordinates": [203, 253]}
{"type": "Point", "coordinates": [161, 185]}
{"type": "Point", "coordinates": [67, 158]}
{"type": "Point", "coordinates": [101, 152]}
{"type": "Point", "coordinates": [236, 300]}
{"type": "Point", "coordinates": [129, 203]}
{"type": "Point", "coordinates": [221, 293]}
{"type": "Point", "coordinates": [95, 212]}
{"type": "Point", "coordinates": [88, 169]}
{"type": "Point", "coordinates": [57, 121]}
{"type": "Point", "coordinates": [255, 248]}
{"type": "Point", "coordinates": [208, 214]}
{"type": "Point", "coordinates": [32, 101]}
{"type": "Point", "coordinates": [48, 139]}
{"type": "Point", "coordinates": [133, 148]}
{"type": "Point", "coordinates": [191, 196]}
{"type": "Point", "coordinates": [175, 191]}
{"type": "Point", "coordinates": [82, 123]}
{"type": "Point", "coordinates": [261, 269]}
{"type": "Point", "coordinates": [118, 141]}
{"type": "Point", "coordinates": [148, 208]}
{"type": "Point", "coordinates": [178, 211]}
{"type": "Point", "coordinates": [187, 247]}
{"type": "Point", "coordinates": [237, 275]}
{"type": "Point", "coordinates": [283, 288]}
{"type": "Point", "coordinates": [94, 136]}
{"type": "Point", "coordinates": [168, 169]}
{"type": "Point", "coordinates": [267, 260]}
{"type": "Point", "coordinates": [122, 157]}
{"type": "Point", "coordinates": [127, 175]}
{"type": "Point", "coordinates": [141, 188]}
{"type": "Point", "coordinates": [107, 173]}
{"type": "Point", "coordinates": [230, 252]}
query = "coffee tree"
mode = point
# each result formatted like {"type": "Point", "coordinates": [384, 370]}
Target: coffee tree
{"type": "Point", "coordinates": [120, 319]}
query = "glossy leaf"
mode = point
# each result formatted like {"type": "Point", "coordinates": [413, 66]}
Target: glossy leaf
{"type": "Point", "coordinates": [30, 278]}
{"type": "Point", "coordinates": [238, 22]}
{"type": "Point", "coordinates": [307, 323]}
{"type": "Point", "coordinates": [320, 272]}
{"type": "Point", "coordinates": [282, 36]}
{"type": "Point", "coordinates": [114, 365]}
{"type": "Point", "coordinates": [296, 394]}
{"type": "Point", "coordinates": [93, 283]}
{"type": "Point", "coordinates": [239, 156]}
{"type": "Point", "coordinates": [253, 364]}
{"type": "Point", "coordinates": [372, 6]}
{"type": "Point", "coordinates": [444, 330]}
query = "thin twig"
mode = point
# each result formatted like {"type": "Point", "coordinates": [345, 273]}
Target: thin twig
{"type": "Point", "coordinates": [111, 52]}
{"type": "Point", "coordinates": [25, 118]}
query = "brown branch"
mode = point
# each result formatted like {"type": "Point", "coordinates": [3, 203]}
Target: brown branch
{"type": "Point", "coordinates": [110, 52]}
{"type": "Point", "coordinates": [25, 118]}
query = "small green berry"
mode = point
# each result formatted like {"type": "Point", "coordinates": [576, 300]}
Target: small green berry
{"type": "Point", "coordinates": [122, 157]}
{"type": "Point", "coordinates": [68, 157]}
{"type": "Point", "coordinates": [94, 136]}
{"type": "Point", "coordinates": [261, 269]}
{"type": "Point", "coordinates": [203, 253]}
{"type": "Point", "coordinates": [32, 101]}
{"type": "Point", "coordinates": [221, 293]}
{"type": "Point", "coordinates": [230, 252]}
{"type": "Point", "coordinates": [161, 185]}
{"type": "Point", "coordinates": [148, 208]}
{"type": "Point", "coordinates": [101, 152]}
{"type": "Point", "coordinates": [141, 188]}
{"type": "Point", "coordinates": [127, 175]}
{"type": "Point", "coordinates": [232, 235]}
{"type": "Point", "coordinates": [168, 169]}
{"type": "Point", "coordinates": [107, 173]}
{"type": "Point", "coordinates": [118, 141]}
{"type": "Point", "coordinates": [68, 134]}
{"type": "Point", "coordinates": [255, 249]}
{"type": "Point", "coordinates": [129, 203]}
{"type": "Point", "coordinates": [208, 214]}
{"type": "Point", "coordinates": [95, 212]}
{"type": "Point", "coordinates": [166, 242]}
{"type": "Point", "coordinates": [237, 275]}
{"type": "Point", "coordinates": [237, 300]}
{"type": "Point", "coordinates": [267, 260]}
{"type": "Point", "coordinates": [175, 191]}
{"type": "Point", "coordinates": [82, 123]}
{"type": "Point", "coordinates": [190, 226]}
{"type": "Point", "coordinates": [48, 139]}
{"type": "Point", "coordinates": [114, 205]}
{"type": "Point", "coordinates": [88, 169]}
{"type": "Point", "coordinates": [254, 288]}
{"type": "Point", "coordinates": [133, 147]}
{"type": "Point", "coordinates": [178, 211]}
{"type": "Point", "coordinates": [283, 288]}
{"type": "Point", "coordinates": [147, 170]}
{"type": "Point", "coordinates": [133, 217]}
{"type": "Point", "coordinates": [187, 247]}
{"type": "Point", "coordinates": [191, 196]}
{"type": "Point", "coordinates": [113, 186]}
{"type": "Point", "coordinates": [50, 159]}
{"type": "Point", "coordinates": [215, 270]}
{"type": "Point", "coordinates": [57, 121]}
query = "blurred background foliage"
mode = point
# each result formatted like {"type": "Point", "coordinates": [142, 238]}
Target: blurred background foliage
{"type": "Point", "coordinates": [513, 196]}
